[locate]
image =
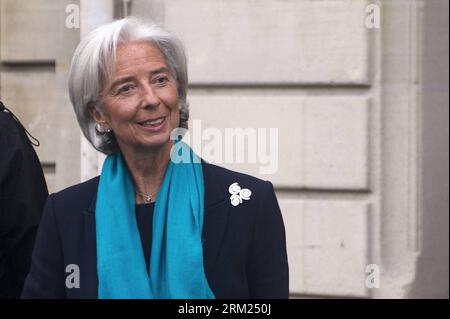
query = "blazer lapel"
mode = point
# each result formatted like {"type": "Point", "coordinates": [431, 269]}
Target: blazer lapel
{"type": "Point", "coordinates": [215, 216]}
{"type": "Point", "coordinates": [89, 257]}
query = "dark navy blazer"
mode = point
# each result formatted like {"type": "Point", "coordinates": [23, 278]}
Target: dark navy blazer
{"type": "Point", "coordinates": [244, 246]}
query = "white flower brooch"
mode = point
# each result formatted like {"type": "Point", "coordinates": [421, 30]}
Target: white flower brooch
{"type": "Point", "coordinates": [238, 194]}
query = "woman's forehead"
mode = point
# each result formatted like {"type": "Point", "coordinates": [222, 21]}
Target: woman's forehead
{"type": "Point", "coordinates": [134, 53]}
{"type": "Point", "coordinates": [134, 58]}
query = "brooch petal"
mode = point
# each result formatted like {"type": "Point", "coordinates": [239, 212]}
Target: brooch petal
{"type": "Point", "coordinates": [238, 194]}
{"type": "Point", "coordinates": [234, 188]}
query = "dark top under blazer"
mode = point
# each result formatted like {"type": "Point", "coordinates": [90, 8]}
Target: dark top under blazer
{"type": "Point", "coordinates": [244, 246]}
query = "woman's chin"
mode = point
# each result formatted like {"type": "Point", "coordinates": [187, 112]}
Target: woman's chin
{"type": "Point", "coordinates": [157, 142]}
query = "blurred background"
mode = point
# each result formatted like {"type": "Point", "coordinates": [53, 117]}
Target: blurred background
{"type": "Point", "coordinates": [357, 89]}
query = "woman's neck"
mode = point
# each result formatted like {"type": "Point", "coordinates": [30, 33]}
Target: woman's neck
{"type": "Point", "coordinates": [147, 168]}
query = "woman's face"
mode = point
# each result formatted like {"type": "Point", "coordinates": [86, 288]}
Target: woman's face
{"type": "Point", "coordinates": [140, 105]}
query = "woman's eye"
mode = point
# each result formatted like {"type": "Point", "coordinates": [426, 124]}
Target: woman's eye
{"type": "Point", "coordinates": [161, 79]}
{"type": "Point", "coordinates": [125, 89]}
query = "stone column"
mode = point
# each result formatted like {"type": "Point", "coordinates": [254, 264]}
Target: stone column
{"type": "Point", "coordinates": [93, 14]}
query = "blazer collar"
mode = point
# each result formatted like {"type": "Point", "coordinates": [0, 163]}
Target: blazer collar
{"type": "Point", "coordinates": [91, 208]}
{"type": "Point", "coordinates": [217, 206]}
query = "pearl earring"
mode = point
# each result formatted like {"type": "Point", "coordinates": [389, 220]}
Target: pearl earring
{"type": "Point", "coordinates": [102, 131]}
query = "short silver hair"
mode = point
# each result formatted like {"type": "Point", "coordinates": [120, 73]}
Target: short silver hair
{"type": "Point", "coordinates": [93, 64]}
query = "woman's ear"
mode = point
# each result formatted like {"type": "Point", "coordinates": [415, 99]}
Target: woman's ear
{"type": "Point", "coordinates": [95, 113]}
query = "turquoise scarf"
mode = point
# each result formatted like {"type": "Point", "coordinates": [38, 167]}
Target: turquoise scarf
{"type": "Point", "coordinates": [176, 263]}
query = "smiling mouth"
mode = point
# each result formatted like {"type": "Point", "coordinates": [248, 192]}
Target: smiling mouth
{"type": "Point", "coordinates": [153, 123]}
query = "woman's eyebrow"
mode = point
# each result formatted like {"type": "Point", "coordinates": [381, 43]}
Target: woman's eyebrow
{"type": "Point", "coordinates": [160, 70]}
{"type": "Point", "coordinates": [121, 80]}
{"type": "Point", "coordinates": [131, 77]}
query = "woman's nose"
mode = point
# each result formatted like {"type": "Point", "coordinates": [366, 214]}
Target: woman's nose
{"type": "Point", "coordinates": [149, 97]}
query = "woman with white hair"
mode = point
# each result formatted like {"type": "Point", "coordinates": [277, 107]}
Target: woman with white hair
{"type": "Point", "coordinates": [152, 226]}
